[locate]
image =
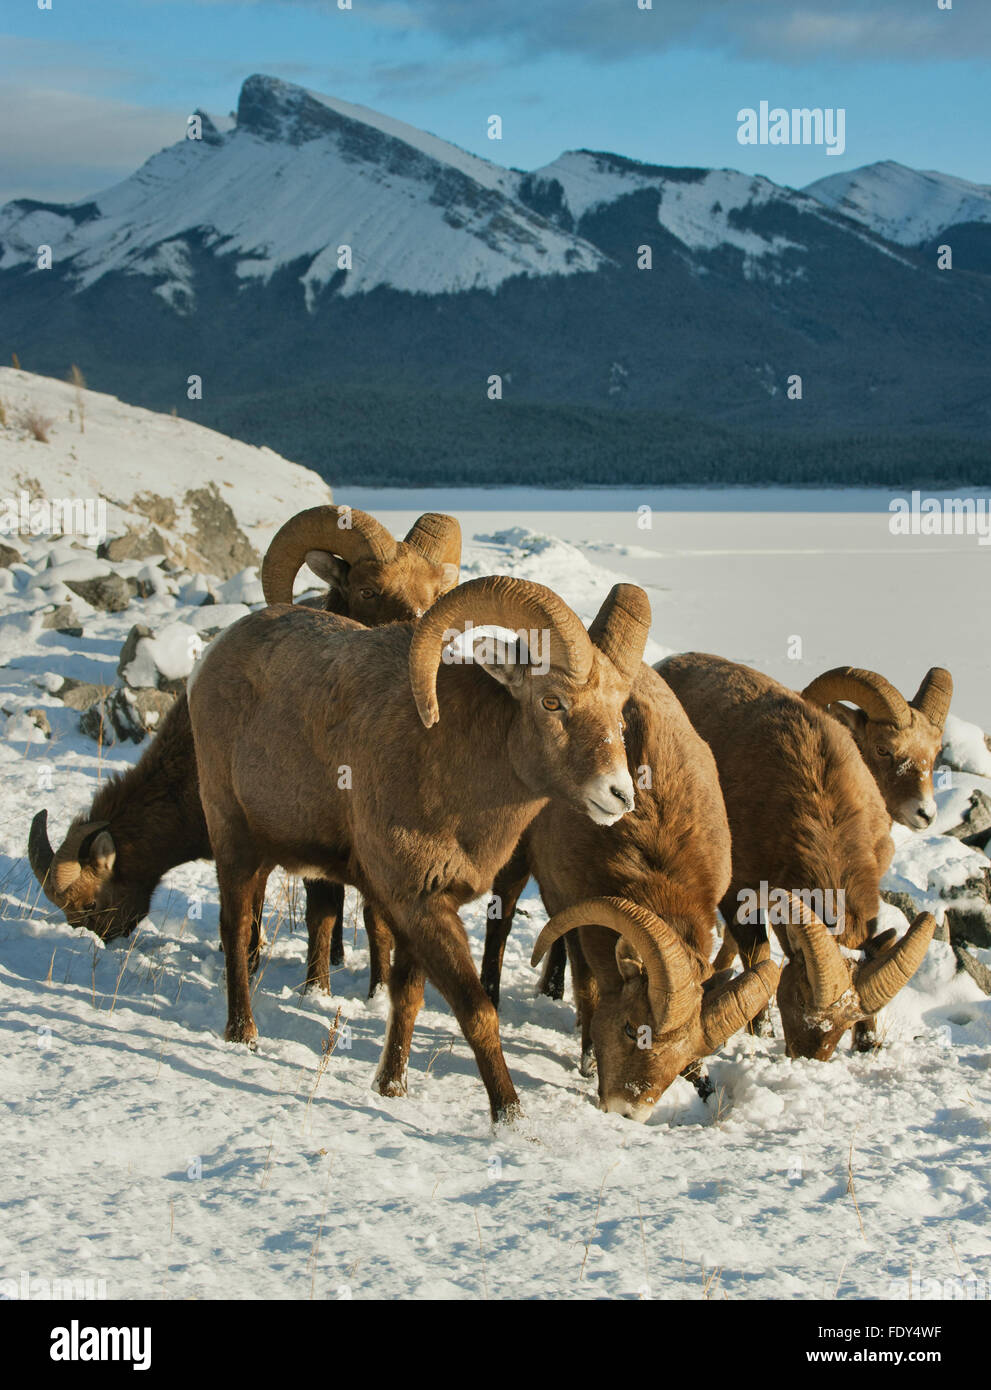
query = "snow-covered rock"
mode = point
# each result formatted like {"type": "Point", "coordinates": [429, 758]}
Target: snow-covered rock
{"type": "Point", "coordinates": [132, 470]}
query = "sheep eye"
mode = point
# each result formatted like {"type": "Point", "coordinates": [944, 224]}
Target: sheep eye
{"type": "Point", "coordinates": [551, 702]}
{"type": "Point", "coordinates": [368, 593]}
{"type": "Point", "coordinates": [630, 1032]}
{"type": "Point", "coordinates": [884, 752]}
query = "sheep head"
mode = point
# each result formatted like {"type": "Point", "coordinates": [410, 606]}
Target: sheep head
{"type": "Point", "coordinates": [899, 740]}
{"type": "Point", "coordinates": [569, 686]}
{"type": "Point", "coordinates": [822, 993]}
{"type": "Point", "coordinates": [79, 878]}
{"type": "Point", "coordinates": [656, 1014]}
{"type": "Point", "coordinates": [372, 577]}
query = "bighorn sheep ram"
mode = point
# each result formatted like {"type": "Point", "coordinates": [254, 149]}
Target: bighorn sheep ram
{"type": "Point", "coordinates": [898, 739]}
{"type": "Point", "coordinates": [370, 757]}
{"type": "Point", "coordinates": [149, 820]}
{"type": "Point", "coordinates": [644, 894]}
{"type": "Point", "coordinates": [808, 825]}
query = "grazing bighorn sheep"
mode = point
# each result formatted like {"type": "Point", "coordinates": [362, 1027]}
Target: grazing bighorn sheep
{"type": "Point", "coordinates": [149, 820]}
{"type": "Point", "coordinates": [668, 863]}
{"type": "Point", "coordinates": [318, 750]}
{"type": "Point", "coordinates": [806, 817]}
{"type": "Point", "coordinates": [898, 739]}
{"type": "Point", "coordinates": [659, 1011]}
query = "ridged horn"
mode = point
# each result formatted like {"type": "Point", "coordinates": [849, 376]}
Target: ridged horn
{"type": "Point", "coordinates": [878, 981]}
{"type": "Point", "coordinates": [870, 692]}
{"type": "Point", "coordinates": [57, 870]}
{"type": "Point", "coordinates": [672, 984]}
{"type": "Point", "coordinates": [730, 1006]}
{"type": "Point", "coordinates": [826, 970]}
{"type": "Point", "coordinates": [621, 627]}
{"type": "Point", "coordinates": [934, 695]}
{"type": "Point", "coordinates": [437, 538]}
{"type": "Point", "coordinates": [360, 537]}
{"type": "Point", "coordinates": [495, 601]}
{"type": "Point", "coordinates": [40, 852]}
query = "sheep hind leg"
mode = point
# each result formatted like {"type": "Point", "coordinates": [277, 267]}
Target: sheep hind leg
{"type": "Point", "coordinates": [257, 929]}
{"type": "Point", "coordinates": [324, 931]}
{"type": "Point", "coordinates": [240, 883]}
{"type": "Point", "coordinates": [753, 946]}
{"type": "Point", "coordinates": [509, 884]}
{"type": "Point", "coordinates": [442, 946]}
{"type": "Point", "coordinates": [586, 993]}
{"type": "Point", "coordinates": [379, 948]}
{"type": "Point", "coordinates": [406, 999]}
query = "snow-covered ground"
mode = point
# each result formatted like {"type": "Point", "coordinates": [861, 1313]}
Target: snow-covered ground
{"type": "Point", "coordinates": [141, 1150]}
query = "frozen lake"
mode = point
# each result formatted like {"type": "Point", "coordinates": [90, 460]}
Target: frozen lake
{"type": "Point", "coordinates": [742, 572]}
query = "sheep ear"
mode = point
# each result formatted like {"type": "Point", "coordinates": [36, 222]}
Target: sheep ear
{"type": "Point", "coordinates": [628, 960]}
{"type": "Point", "coordinates": [450, 575]}
{"type": "Point", "coordinates": [330, 568]}
{"type": "Point", "coordinates": [854, 719]}
{"type": "Point", "coordinates": [102, 854]}
{"type": "Point", "coordinates": [500, 660]}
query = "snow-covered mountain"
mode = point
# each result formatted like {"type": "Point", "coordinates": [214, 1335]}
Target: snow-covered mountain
{"type": "Point", "coordinates": [907, 206]}
{"type": "Point", "coordinates": [298, 176]}
{"type": "Point", "coordinates": [696, 206]}
{"type": "Point", "coordinates": [222, 256]}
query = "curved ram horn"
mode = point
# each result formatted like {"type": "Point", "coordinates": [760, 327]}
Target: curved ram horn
{"type": "Point", "coordinates": [730, 1006]}
{"type": "Point", "coordinates": [934, 695]}
{"type": "Point", "coordinates": [876, 696]}
{"type": "Point", "coordinates": [672, 983]}
{"type": "Point", "coordinates": [40, 852]}
{"type": "Point", "coordinates": [878, 981]}
{"type": "Point", "coordinates": [437, 538]}
{"type": "Point", "coordinates": [495, 601]}
{"type": "Point", "coordinates": [320, 528]}
{"type": "Point", "coordinates": [826, 970]}
{"type": "Point", "coordinates": [621, 627]}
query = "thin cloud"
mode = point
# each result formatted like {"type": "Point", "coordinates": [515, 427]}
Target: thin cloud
{"type": "Point", "coordinates": [611, 30]}
{"type": "Point", "coordinates": [64, 145]}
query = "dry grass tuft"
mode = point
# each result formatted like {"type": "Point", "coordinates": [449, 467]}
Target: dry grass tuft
{"type": "Point", "coordinates": [36, 422]}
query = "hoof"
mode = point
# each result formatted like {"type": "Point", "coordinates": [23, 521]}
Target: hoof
{"type": "Point", "coordinates": [246, 1033]}
{"type": "Point", "coordinates": [508, 1114]}
{"type": "Point", "coordinates": [316, 986]}
{"type": "Point", "coordinates": [391, 1089]}
{"type": "Point", "coordinates": [337, 955]}
{"type": "Point", "coordinates": [587, 1066]}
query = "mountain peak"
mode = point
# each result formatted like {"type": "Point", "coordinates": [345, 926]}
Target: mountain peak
{"type": "Point", "coordinates": [277, 110]}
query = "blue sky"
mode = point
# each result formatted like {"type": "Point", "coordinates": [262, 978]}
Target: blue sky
{"type": "Point", "coordinates": [91, 88]}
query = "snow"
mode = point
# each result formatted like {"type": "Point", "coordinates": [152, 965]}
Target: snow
{"type": "Point", "coordinates": [171, 653]}
{"type": "Point", "coordinates": [141, 1149]}
{"type": "Point", "coordinates": [907, 206]}
{"type": "Point", "coordinates": [964, 746]}
{"type": "Point", "coordinates": [125, 453]}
